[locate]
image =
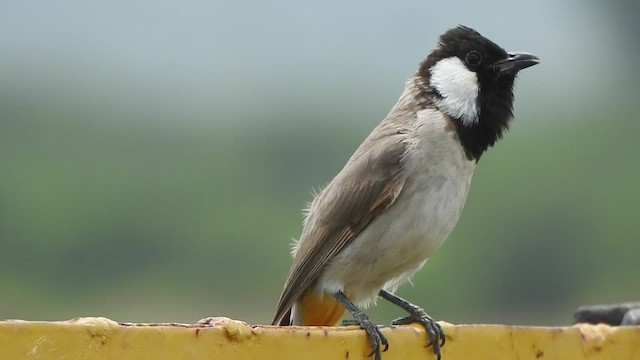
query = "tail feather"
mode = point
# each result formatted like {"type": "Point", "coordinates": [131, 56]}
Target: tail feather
{"type": "Point", "coordinates": [286, 319]}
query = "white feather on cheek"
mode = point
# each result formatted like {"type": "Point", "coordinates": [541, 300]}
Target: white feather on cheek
{"type": "Point", "coordinates": [459, 89]}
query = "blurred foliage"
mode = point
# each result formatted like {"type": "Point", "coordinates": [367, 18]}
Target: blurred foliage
{"type": "Point", "coordinates": [104, 218]}
{"type": "Point", "coordinates": [122, 196]}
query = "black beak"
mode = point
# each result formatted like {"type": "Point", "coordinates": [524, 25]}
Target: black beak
{"type": "Point", "coordinates": [515, 62]}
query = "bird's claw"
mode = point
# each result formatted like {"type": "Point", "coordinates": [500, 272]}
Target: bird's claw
{"type": "Point", "coordinates": [373, 334]}
{"type": "Point", "coordinates": [436, 334]}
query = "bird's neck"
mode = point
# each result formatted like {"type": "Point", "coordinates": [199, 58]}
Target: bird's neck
{"type": "Point", "coordinates": [495, 106]}
{"type": "Point", "coordinates": [495, 102]}
{"type": "Point", "coordinates": [413, 98]}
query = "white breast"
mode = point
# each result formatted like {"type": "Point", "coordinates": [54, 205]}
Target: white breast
{"type": "Point", "coordinates": [399, 241]}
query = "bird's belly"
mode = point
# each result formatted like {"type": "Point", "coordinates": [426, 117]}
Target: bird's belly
{"type": "Point", "coordinates": [397, 243]}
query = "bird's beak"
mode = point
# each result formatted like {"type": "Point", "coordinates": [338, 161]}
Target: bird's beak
{"type": "Point", "coordinates": [515, 62]}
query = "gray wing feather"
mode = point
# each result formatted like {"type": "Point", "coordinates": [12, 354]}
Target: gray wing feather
{"type": "Point", "coordinates": [368, 184]}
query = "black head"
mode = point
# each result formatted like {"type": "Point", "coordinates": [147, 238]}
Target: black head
{"type": "Point", "coordinates": [471, 80]}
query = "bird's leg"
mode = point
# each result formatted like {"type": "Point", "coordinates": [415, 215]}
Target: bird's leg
{"type": "Point", "coordinates": [373, 333]}
{"type": "Point", "coordinates": [416, 314]}
{"type": "Point", "coordinates": [349, 322]}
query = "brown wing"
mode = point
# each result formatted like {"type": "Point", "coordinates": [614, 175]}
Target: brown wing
{"type": "Point", "coordinates": [367, 185]}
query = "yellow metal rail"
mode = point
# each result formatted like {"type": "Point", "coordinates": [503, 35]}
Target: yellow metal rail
{"type": "Point", "coordinates": [100, 338]}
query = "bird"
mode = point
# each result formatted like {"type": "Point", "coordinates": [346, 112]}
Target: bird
{"type": "Point", "coordinates": [401, 193]}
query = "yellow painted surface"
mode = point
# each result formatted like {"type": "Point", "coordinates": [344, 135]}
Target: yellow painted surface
{"type": "Point", "coordinates": [100, 338]}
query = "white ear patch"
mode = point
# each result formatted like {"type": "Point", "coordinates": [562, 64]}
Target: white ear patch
{"type": "Point", "coordinates": [459, 89]}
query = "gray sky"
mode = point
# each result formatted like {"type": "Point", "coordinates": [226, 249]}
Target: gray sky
{"type": "Point", "coordinates": [211, 56]}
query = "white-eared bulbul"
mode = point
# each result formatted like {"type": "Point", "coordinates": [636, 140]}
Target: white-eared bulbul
{"type": "Point", "coordinates": [401, 193]}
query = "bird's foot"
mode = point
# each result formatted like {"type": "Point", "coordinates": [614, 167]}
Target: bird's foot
{"type": "Point", "coordinates": [373, 334]}
{"type": "Point", "coordinates": [360, 318]}
{"type": "Point", "coordinates": [436, 334]}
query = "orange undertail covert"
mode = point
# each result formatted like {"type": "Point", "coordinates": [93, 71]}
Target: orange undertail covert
{"type": "Point", "coordinates": [319, 310]}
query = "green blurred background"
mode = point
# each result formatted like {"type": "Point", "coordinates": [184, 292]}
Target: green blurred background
{"type": "Point", "coordinates": [155, 155]}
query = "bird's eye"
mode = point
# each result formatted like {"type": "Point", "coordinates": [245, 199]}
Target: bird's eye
{"type": "Point", "coordinates": [473, 58]}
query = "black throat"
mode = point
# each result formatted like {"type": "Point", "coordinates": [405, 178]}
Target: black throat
{"type": "Point", "coordinates": [496, 111]}
{"type": "Point", "coordinates": [495, 102]}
